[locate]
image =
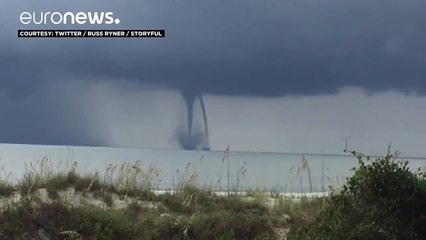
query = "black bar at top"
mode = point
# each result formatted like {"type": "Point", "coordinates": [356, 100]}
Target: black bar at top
{"type": "Point", "coordinates": [91, 33]}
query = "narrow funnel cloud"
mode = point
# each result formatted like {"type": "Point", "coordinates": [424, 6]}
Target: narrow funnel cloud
{"type": "Point", "coordinates": [189, 139]}
{"type": "Point", "coordinates": [203, 109]}
{"type": "Point", "coordinates": [189, 100]}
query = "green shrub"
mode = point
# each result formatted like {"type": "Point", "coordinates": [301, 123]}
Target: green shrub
{"type": "Point", "coordinates": [6, 189]}
{"type": "Point", "coordinates": [382, 200]}
{"type": "Point", "coordinates": [224, 224]}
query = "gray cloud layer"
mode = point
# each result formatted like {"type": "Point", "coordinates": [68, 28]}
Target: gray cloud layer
{"type": "Point", "coordinates": [267, 48]}
{"type": "Point", "coordinates": [254, 48]}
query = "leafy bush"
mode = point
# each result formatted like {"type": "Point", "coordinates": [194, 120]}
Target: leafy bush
{"type": "Point", "coordinates": [382, 200]}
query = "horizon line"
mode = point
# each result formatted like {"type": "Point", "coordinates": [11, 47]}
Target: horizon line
{"type": "Point", "coordinates": [213, 150]}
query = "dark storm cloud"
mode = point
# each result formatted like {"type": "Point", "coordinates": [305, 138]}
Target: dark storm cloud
{"type": "Point", "coordinates": [254, 48]}
{"type": "Point", "coordinates": [19, 75]}
{"type": "Point", "coordinates": [269, 48]}
{"type": "Point", "coordinates": [49, 115]}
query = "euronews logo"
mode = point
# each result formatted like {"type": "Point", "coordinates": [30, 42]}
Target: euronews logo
{"type": "Point", "coordinates": [58, 18]}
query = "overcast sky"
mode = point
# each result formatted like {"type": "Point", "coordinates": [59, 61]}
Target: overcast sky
{"type": "Point", "coordinates": [275, 75]}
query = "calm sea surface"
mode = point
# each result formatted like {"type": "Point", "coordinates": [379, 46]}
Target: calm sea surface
{"type": "Point", "coordinates": [248, 170]}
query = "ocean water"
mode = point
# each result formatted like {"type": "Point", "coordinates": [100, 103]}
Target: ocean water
{"type": "Point", "coordinates": [281, 172]}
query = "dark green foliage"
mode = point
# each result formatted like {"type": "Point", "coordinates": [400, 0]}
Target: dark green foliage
{"type": "Point", "coordinates": [57, 182]}
{"type": "Point", "coordinates": [189, 200]}
{"type": "Point", "coordinates": [231, 225]}
{"type": "Point", "coordinates": [123, 206]}
{"type": "Point", "coordinates": [382, 200]}
{"type": "Point", "coordinates": [193, 214]}
{"type": "Point", "coordinates": [6, 189]}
